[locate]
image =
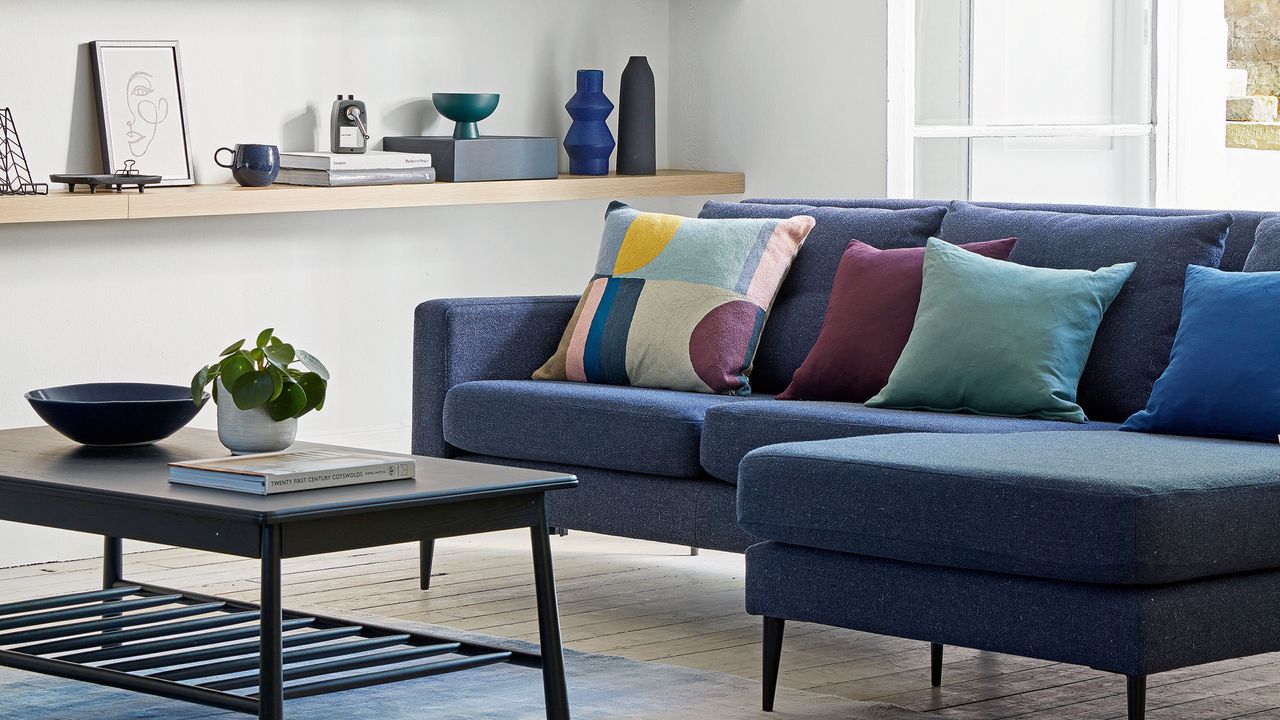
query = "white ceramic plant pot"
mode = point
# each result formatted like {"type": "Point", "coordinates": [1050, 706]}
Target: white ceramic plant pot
{"type": "Point", "coordinates": [251, 431]}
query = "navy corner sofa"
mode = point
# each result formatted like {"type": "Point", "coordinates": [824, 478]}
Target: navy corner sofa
{"type": "Point", "coordinates": [1129, 553]}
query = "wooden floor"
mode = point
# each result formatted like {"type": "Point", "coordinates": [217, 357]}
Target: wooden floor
{"type": "Point", "coordinates": [654, 602]}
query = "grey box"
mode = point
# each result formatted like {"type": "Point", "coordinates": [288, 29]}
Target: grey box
{"type": "Point", "coordinates": [494, 157]}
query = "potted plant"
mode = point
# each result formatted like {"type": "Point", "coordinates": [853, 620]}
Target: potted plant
{"type": "Point", "coordinates": [260, 394]}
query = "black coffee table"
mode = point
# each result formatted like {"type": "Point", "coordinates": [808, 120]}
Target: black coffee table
{"type": "Point", "coordinates": [230, 654]}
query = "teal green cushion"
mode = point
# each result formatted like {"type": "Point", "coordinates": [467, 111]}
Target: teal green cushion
{"type": "Point", "coordinates": [996, 338]}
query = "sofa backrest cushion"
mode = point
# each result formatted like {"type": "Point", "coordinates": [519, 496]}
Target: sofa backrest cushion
{"type": "Point", "coordinates": [1265, 254]}
{"type": "Point", "coordinates": [1133, 342]}
{"type": "Point", "coordinates": [1239, 240]}
{"type": "Point", "coordinates": [801, 302]}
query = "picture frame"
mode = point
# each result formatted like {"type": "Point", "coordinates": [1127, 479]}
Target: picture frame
{"type": "Point", "coordinates": [142, 108]}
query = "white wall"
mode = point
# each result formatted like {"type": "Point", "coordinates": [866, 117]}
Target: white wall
{"type": "Point", "coordinates": [792, 93]}
{"type": "Point", "coordinates": [154, 300]}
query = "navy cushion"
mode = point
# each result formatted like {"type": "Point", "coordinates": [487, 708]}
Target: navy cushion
{"type": "Point", "coordinates": [603, 426]}
{"type": "Point", "coordinates": [801, 303]}
{"type": "Point", "coordinates": [732, 431]}
{"type": "Point", "coordinates": [1133, 342]}
{"type": "Point", "coordinates": [1105, 507]}
{"type": "Point", "coordinates": [1224, 376]}
{"type": "Point", "coordinates": [1264, 256]}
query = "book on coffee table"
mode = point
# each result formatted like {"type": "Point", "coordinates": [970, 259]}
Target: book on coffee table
{"type": "Point", "coordinates": [290, 471]}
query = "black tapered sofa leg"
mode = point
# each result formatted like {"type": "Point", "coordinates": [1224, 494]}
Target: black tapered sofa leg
{"type": "Point", "coordinates": [935, 664]}
{"type": "Point", "coordinates": [773, 629]}
{"type": "Point", "coordinates": [1137, 690]}
{"type": "Point", "coordinates": [426, 553]}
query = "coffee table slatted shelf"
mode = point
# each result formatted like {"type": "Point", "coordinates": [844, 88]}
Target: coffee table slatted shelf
{"type": "Point", "coordinates": [203, 649]}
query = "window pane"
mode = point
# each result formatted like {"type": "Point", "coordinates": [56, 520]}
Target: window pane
{"type": "Point", "coordinates": [1103, 170]}
{"type": "Point", "coordinates": [1012, 62]}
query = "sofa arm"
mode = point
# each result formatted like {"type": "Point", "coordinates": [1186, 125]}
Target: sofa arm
{"type": "Point", "coordinates": [457, 340]}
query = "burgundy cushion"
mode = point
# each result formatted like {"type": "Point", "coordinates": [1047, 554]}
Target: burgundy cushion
{"type": "Point", "coordinates": [869, 318]}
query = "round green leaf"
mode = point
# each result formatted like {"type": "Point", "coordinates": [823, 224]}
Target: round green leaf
{"type": "Point", "coordinates": [291, 401]}
{"type": "Point", "coordinates": [313, 364]}
{"type": "Point", "coordinates": [233, 367]}
{"type": "Point", "coordinates": [252, 389]}
{"type": "Point", "coordinates": [232, 347]}
{"type": "Point", "coordinates": [264, 337]}
{"type": "Point", "coordinates": [279, 355]}
{"type": "Point", "coordinates": [277, 379]}
{"type": "Point", "coordinates": [315, 388]}
{"type": "Point", "coordinates": [197, 385]}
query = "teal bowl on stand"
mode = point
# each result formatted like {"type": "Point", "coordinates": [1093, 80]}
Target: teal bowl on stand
{"type": "Point", "coordinates": [465, 109]}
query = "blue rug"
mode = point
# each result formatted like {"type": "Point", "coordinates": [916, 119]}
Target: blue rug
{"type": "Point", "coordinates": [600, 687]}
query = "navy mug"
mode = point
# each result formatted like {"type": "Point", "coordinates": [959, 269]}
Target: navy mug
{"type": "Point", "coordinates": [252, 165]}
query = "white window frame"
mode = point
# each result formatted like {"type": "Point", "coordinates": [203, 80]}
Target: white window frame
{"type": "Point", "coordinates": [901, 113]}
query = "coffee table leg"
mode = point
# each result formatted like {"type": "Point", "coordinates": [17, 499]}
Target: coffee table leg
{"type": "Point", "coordinates": [112, 562]}
{"type": "Point", "coordinates": [271, 665]}
{"type": "Point", "coordinates": [553, 684]}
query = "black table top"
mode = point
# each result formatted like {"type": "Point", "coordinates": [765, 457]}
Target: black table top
{"type": "Point", "coordinates": [38, 460]}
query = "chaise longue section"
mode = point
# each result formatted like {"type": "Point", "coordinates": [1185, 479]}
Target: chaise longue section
{"type": "Point", "coordinates": [1126, 552]}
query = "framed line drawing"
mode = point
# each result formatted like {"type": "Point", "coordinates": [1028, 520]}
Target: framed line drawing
{"type": "Point", "coordinates": [142, 112]}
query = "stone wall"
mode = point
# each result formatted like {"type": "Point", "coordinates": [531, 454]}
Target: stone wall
{"type": "Point", "coordinates": [1253, 43]}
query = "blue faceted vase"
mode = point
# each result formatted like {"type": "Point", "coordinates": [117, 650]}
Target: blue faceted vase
{"type": "Point", "coordinates": [589, 142]}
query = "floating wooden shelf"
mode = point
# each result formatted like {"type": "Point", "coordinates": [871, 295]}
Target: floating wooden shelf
{"type": "Point", "coordinates": [206, 200]}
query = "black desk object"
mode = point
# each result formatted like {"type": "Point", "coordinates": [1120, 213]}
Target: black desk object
{"type": "Point", "coordinates": [116, 182]}
{"type": "Point", "coordinates": [125, 493]}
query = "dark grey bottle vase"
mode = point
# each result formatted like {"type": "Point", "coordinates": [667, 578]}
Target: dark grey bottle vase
{"type": "Point", "coordinates": [637, 122]}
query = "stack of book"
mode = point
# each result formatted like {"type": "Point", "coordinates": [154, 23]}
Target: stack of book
{"type": "Point", "coordinates": [289, 471]}
{"type": "Point", "coordinates": [346, 169]}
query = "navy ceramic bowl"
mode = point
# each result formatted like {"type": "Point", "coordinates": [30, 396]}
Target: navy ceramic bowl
{"type": "Point", "coordinates": [115, 414]}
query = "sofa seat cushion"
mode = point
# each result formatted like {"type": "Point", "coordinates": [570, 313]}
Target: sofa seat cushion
{"type": "Point", "coordinates": [602, 426]}
{"type": "Point", "coordinates": [732, 431]}
{"type": "Point", "coordinates": [1104, 507]}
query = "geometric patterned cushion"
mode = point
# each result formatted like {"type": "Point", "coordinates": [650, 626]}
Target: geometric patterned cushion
{"type": "Point", "coordinates": [676, 303]}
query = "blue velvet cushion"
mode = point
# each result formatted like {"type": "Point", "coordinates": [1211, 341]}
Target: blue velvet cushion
{"type": "Point", "coordinates": [801, 303]}
{"type": "Point", "coordinates": [602, 426]}
{"type": "Point", "coordinates": [1223, 378]}
{"type": "Point", "coordinates": [1133, 342]}
{"type": "Point", "coordinates": [1104, 507]}
{"type": "Point", "coordinates": [1264, 256]}
{"type": "Point", "coordinates": [732, 430]}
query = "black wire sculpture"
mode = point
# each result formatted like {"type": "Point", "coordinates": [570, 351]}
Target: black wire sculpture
{"type": "Point", "coordinates": [15, 176]}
